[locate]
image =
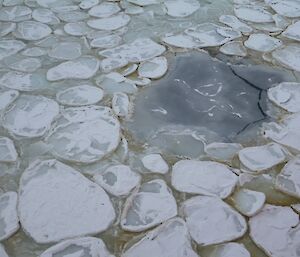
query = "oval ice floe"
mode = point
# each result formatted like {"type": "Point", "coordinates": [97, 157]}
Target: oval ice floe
{"type": "Point", "coordinates": [288, 56]}
{"type": "Point", "coordinates": [154, 163]}
{"type": "Point", "coordinates": [121, 104]}
{"type": "Point", "coordinates": [181, 8]}
{"type": "Point", "coordinates": [104, 10]}
{"type": "Point", "coordinates": [10, 47]}
{"type": "Point", "coordinates": [32, 30]}
{"type": "Point", "coordinates": [8, 151]}
{"type": "Point", "coordinates": [154, 68]}
{"type": "Point", "coordinates": [252, 13]}
{"type": "Point", "coordinates": [262, 43]}
{"type": "Point", "coordinates": [65, 51]}
{"type": "Point", "coordinates": [110, 23]}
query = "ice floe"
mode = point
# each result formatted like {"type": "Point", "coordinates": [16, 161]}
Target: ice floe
{"type": "Point", "coordinates": [91, 246]}
{"type": "Point", "coordinates": [293, 31]}
{"type": "Point", "coordinates": [229, 250]}
{"type": "Point", "coordinates": [181, 8]}
{"type": "Point", "coordinates": [276, 230]}
{"type": "Point", "coordinates": [15, 13]}
{"type": "Point", "coordinates": [222, 151]}
{"type": "Point", "coordinates": [154, 68]}
{"type": "Point", "coordinates": [287, 8]}
{"type": "Point", "coordinates": [85, 134]}
{"type": "Point", "coordinates": [32, 30]}
{"type": "Point", "coordinates": [10, 47]}
{"type": "Point", "coordinates": [30, 116]}
{"type": "Point", "coordinates": [104, 10]}
{"type": "Point", "coordinates": [87, 4]}
{"type": "Point", "coordinates": [212, 221]}
{"type": "Point", "coordinates": [7, 97]}
{"type": "Point", "coordinates": [155, 163]}
{"type": "Point", "coordinates": [80, 95]}
{"type": "Point", "coordinates": [234, 48]}
{"type": "Point", "coordinates": [107, 41]}
{"type": "Point", "coordinates": [262, 43]}
{"type": "Point", "coordinates": [121, 104]}
{"type": "Point", "coordinates": [171, 239]}
{"type": "Point", "coordinates": [8, 215]}
{"type": "Point", "coordinates": [110, 23]}
{"type": "Point", "coordinates": [44, 15]}
{"type": "Point", "coordinates": [260, 158]}
{"type": "Point", "coordinates": [118, 180]}
{"type": "Point", "coordinates": [110, 64]}
{"type": "Point", "coordinates": [203, 177]}
{"type": "Point", "coordinates": [151, 205]}
{"type": "Point", "coordinates": [23, 64]}
{"type": "Point", "coordinates": [235, 23]}
{"type": "Point", "coordinates": [84, 67]}
{"type": "Point", "coordinates": [286, 95]}
{"type": "Point", "coordinates": [54, 198]}
{"type": "Point", "coordinates": [65, 51]}
{"type": "Point", "coordinates": [288, 56]}
{"type": "Point", "coordinates": [8, 151]}
{"type": "Point", "coordinates": [252, 13]}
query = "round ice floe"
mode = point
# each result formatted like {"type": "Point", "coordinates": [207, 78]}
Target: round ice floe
{"type": "Point", "coordinates": [8, 151]}
{"type": "Point", "coordinates": [288, 180]}
{"type": "Point", "coordinates": [108, 41]}
{"type": "Point", "coordinates": [121, 104]}
{"type": "Point", "coordinates": [73, 16]}
{"type": "Point", "coordinates": [181, 8]}
{"type": "Point", "coordinates": [78, 247]}
{"type": "Point", "coordinates": [56, 202]}
{"type": "Point", "coordinates": [20, 63]}
{"type": "Point", "coordinates": [169, 239]}
{"type": "Point", "coordinates": [287, 8]}
{"type": "Point", "coordinates": [104, 10]}
{"type": "Point", "coordinates": [248, 202]}
{"type": "Point", "coordinates": [88, 135]}
{"type": "Point", "coordinates": [110, 23]}
{"type": "Point", "coordinates": [7, 97]}
{"type": "Point", "coordinates": [10, 47]}
{"type": "Point", "coordinates": [293, 31]}
{"type": "Point", "coordinates": [2, 251]}
{"type": "Point", "coordinates": [77, 28]}
{"type": "Point", "coordinates": [66, 51]}
{"type": "Point", "coordinates": [151, 205]}
{"type": "Point", "coordinates": [288, 56]}
{"type": "Point", "coordinates": [34, 52]}
{"type": "Point", "coordinates": [44, 15]}
{"type": "Point", "coordinates": [153, 69]}
{"type": "Point", "coordinates": [30, 116]}
{"type": "Point", "coordinates": [139, 50]}
{"type": "Point", "coordinates": [144, 2]}
{"type": "Point", "coordinates": [8, 215]}
{"type": "Point", "coordinates": [222, 151]}
{"type": "Point", "coordinates": [155, 163]}
{"type": "Point", "coordinates": [181, 40]}
{"type": "Point", "coordinates": [32, 30]}
{"type": "Point", "coordinates": [203, 177]}
{"type": "Point", "coordinates": [80, 95]}
{"type": "Point", "coordinates": [268, 28]}
{"type": "Point", "coordinates": [110, 64]}
{"type": "Point", "coordinates": [128, 70]}
{"type": "Point", "coordinates": [82, 68]}
{"type": "Point", "coordinates": [252, 13]}
{"type": "Point", "coordinates": [6, 28]}
{"type": "Point", "coordinates": [118, 180]}
{"type": "Point", "coordinates": [235, 23]}
{"type": "Point", "coordinates": [229, 250]}
{"type": "Point", "coordinates": [262, 43]}
{"type": "Point", "coordinates": [286, 95]}
{"type": "Point", "coordinates": [87, 4]}
{"type": "Point", "coordinates": [15, 13]}
{"type": "Point", "coordinates": [23, 81]}
{"type": "Point", "coordinates": [234, 48]}
{"type": "Point", "coordinates": [276, 230]}
{"type": "Point", "coordinates": [212, 221]}
{"type": "Point", "coordinates": [260, 158]}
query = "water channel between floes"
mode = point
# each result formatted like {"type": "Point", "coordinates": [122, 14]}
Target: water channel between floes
{"type": "Point", "coordinates": [141, 128]}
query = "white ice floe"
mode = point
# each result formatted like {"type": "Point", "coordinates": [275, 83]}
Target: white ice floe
{"type": "Point", "coordinates": [139, 50]}
{"type": "Point", "coordinates": [212, 221]}
{"type": "Point", "coordinates": [32, 30]}
{"type": "Point", "coordinates": [128, 70]}
{"type": "Point", "coordinates": [268, 28]}
{"type": "Point", "coordinates": [23, 81]}
{"type": "Point", "coordinates": [181, 8]}
{"type": "Point", "coordinates": [235, 48]}
{"type": "Point", "coordinates": [293, 31]}
{"type": "Point", "coordinates": [10, 47]}
{"type": "Point", "coordinates": [23, 64]}
{"type": "Point", "coordinates": [260, 158]}
{"type": "Point", "coordinates": [80, 95]}
{"type": "Point", "coordinates": [77, 28]}
{"type": "Point", "coordinates": [104, 10]}
{"type": "Point", "coordinates": [87, 4]}
{"type": "Point", "coordinates": [108, 41]}
{"type": "Point", "coordinates": [235, 23]}
{"type": "Point", "coordinates": [286, 95]}
{"type": "Point", "coordinates": [7, 28]}
{"type": "Point", "coordinates": [144, 2]}
{"type": "Point", "coordinates": [182, 41]}
{"type": "Point", "coordinates": [2, 251]}
{"type": "Point", "coordinates": [248, 202]}
{"type": "Point", "coordinates": [118, 180]}
{"type": "Point", "coordinates": [288, 180]}
{"type": "Point", "coordinates": [78, 247]}
{"type": "Point", "coordinates": [110, 23]}
{"type": "Point", "coordinates": [253, 13]}
{"type": "Point", "coordinates": [15, 13]}
{"type": "Point", "coordinates": [154, 68]}
{"type": "Point", "coordinates": [85, 134]}
{"type": "Point", "coordinates": [65, 51]}
{"type": "Point", "coordinates": [288, 56]}
{"type": "Point", "coordinates": [7, 97]}
{"type": "Point", "coordinates": [121, 104]}
{"type": "Point", "coordinates": [84, 67]}
{"type": "Point", "coordinates": [203, 177]}
{"type": "Point", "coordinates": [34, 51]}
{"type": "Point", "coordinates": [110, 64]}
{"type": "Point", "coordinates": [54, 198]}
{"type": "Point", "coordinates": [281, 21]}
{"type": "Point", "coordinates": [8, 151]}
{"type": "Point", "coordinates": [139, 81]}
{"type": "Point", "coordinates": [8, 215]}
{"type": "Point", "coordinates": [73, 16]}
{"type": "Point", "coordinates": [222, 151]}
{"type": "Point", "coordinates": [151, 205]}
{"type": "Point", "coordinates": [155, 163]}
{"type": "Point", "coordinates": [46, 16]}
{"type": "Point", "coordinates": [171, 239]}
{"type": "Point", "coordinates": [262, 43]}
{"type": "Point", "coordinates": [229, 250]}
{"type": "Point", "coordinates": [276, 230]}
{"type": "Point", "coordinates": [287, 8]}
{"type": "Point", "coordinates": [30, 116]}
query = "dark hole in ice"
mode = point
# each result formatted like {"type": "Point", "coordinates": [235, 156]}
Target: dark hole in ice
{"type": "Point", "coordinates": [204, 97]}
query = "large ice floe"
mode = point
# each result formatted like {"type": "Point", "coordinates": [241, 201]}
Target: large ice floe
{"type": "Point", "coordinates": [54, 199]}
